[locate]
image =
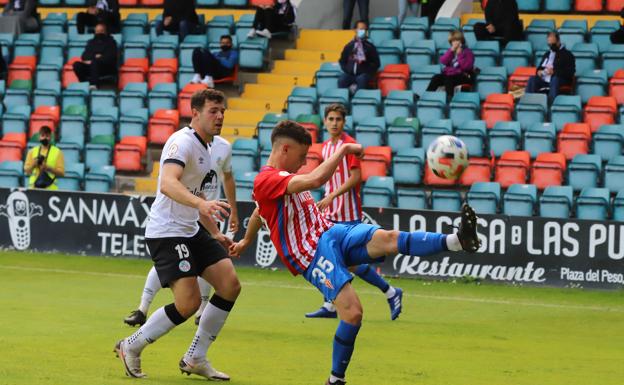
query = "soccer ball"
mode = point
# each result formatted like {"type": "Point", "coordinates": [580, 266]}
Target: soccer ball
{"type": "Point", "coordinates": [447, 157]}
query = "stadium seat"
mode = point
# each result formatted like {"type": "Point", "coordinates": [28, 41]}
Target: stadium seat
{"type": "Point", "coordinates": [133, 122]}
{"type": "Point", "coordinates": [68, 75]}
{"type": "Point", "coordinates": [398, 104]}
{"type": "Point", "coordinates": [614, 174]}
{"type": "Point", "coordinates": [520, 200]}
{"type": "Point", "coordinates": [584, 171]}
{"type": "Point", "coordinates": [103, 121]}
{"type": "Point", "coordinates": [520, 77]}
{"type": "Point", "coordinates": [266, 126]}
{"type": "Point", "coordinates": [486, 53]}
{"type": "Point", "coordinates": [601, 31]}
{"type": "Point", "coordinates": [184, 99]}
{"type": "Point", "coordinates": [548, 170]}
{"type": "Point", "coordinates": [128, 153]}
{"type": "Point", "coordinates": [532, 108]}
{"type": "Point", "coordinates": [244, 185]}
{"type": "Point", "coordinates": [419, 53]}
{"type": "Point", "coordinates": [529, 5]}
{"type": "Point", "coordinates": [75, 94]}
{"type": "Point", "coordinates": [565, 109]}
{"type": "Point", "coordinates": [334, 95]}
{"type": "Point", "coordinates": [371, 131]}
{"type": "Point", "coordinates": [497, 107]}
{"type": "Point", "coordinates": [556, 202]}
{"type": "Point", "coordinates": [600, 110]}
{"type": "Point", "coordinates": [464, 106]}
{"type": "Point", "coordinates": [414, 29]}
{"type": "Point", "coordinates": [376, 161]}
{"type": "Point", "coordinates": [407, 165]}
{"type": "Point", "coordinates": [71, 151]}
{"type": "Point", "coordinates": [618, 207]}
{"type": "Point", "coordinates": [365, 104]}
{"type": "Point", "coordinates": [432, 180]}
{"type": "Point", "coordinates": [440, 30]}
{"type": "Point", "coordinates": [162, 125]}
{"type": "Point", "coordinates": [558, 5]}
{"type": "Point", "coordinates": [491, 80]}
{"type": "Point", "coordinates": [591, 83]}
{"type": "Point", "coordinates": [607, 141]}
{"type": "Point", "coordinates": [16, 137]}
{"type": "Point", "coordinates": [313, 158]}
{"type": "Point", "coordinates": [252, 52]}
{"type": "Point", "coordinates": [435, 128]}
{"type": "Point", "coordinates": [505, 136]}
{"type": "Point", "coordinates": [572, 32]}
{"type": "Point", "coordinates": [327, 77]}
{"type": "Point", "coordinates": [614, 5]}
{"type": "Point", "coordinates": [421, 77]}
{"type": "Point", "coordinates": [100, 179]}
{"type": "Point", "coordinates": [10, 151]}
{"type": "Point", "coordinates": [402, 133]}
{"type": "Point", "coordinates": [393, 77]}
{"type": "Point", "coordinates": [586, 56]}
{"type": "Point", "coordinates": [162, 96]}
{"type": "Point", "coordinates": [540, 137]}
{"type": "Point", "coordinates": [187, 47]}
{"type": "Point", "coordinates": [47, 94]}
{"type": "Point", "coordinates": [431, 106]}
{"type": "Point", "coordinates": [72, 180]}
{"type": "Point", "coordinates": [164, 70]}
{"type": "Point", "coordinates": [44, 116]}
{"type": "Point", "coordinates": [11, 173]}
{"type": "Point", "coordinates": [484, 197]}
{"type": "Point", "coordinates": [134, 70]}
{"type": "Point", "coordinates": [512, 168]}
{"type": "Point", "coordinates": [537, 31]}
{"type": "Point", "coordinates": [382, 29]}
{"type": "Point", "coordinates": [446, 200]}
{"type": "Point", "coordinates": [378, 191]}
{"type": "Point", "coordinates": [132, 97]}
{"type": "Point", "coordinates": [588, 5]}
{"type": "Point", "coordinates": [390, 52]}
{"type": "Point", "coordinates": [616, 86]}
{"type": "Point", "coordinates": [473, 134]}
{"type": "Point", "coordinates": [516, 54]}
{"type": "Point", "coordinates": [612, 59]}
{"type": "Point", "coordinates": [244, 155]}
{"type": "Point", "coordinates": [478, 170]}
{"type": "Point", "coordinates": [302, 100]}
{"type": "Point", "coordinates": [593, 203]}
{"type": "Point", "coordinates": [16, 118]}
{"type": "Point", "coordinates": [411, 198]}
{"type": "Point", "coordinates": [102, 99]}
{"type": "Point", "coordinates": [97, 154]}
{"type": "Point", "coordinates": [574, 139]}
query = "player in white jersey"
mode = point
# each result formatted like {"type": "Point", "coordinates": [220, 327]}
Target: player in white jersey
{"type": "Point", "coordinates": [220, 156]}
{"type": "Point", "coordinates": [181, 250]}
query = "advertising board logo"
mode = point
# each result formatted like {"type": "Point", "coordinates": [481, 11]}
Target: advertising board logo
{"type": "Point", "coordinates": [19, 212]}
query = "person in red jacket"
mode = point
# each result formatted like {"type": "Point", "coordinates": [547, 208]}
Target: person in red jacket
{"type": "Point", "coordinates": [458, 64]}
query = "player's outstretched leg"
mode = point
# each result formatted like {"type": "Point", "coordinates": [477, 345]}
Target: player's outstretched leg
{"type": "Point", "coordinates": [393, 295]}
{"type": "Point", "coordinates": [222, 276]}
{"type": "Point", "coordinates": [204, 291]}
{"type": "Point", "coordinates": [327, 310]}
{"type": "Point", "coordinates": [152, 285]}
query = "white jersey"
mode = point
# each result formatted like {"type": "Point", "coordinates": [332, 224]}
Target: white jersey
{"type": "Point", "coordinates": [221, 162]}
{"type": "Point", "coordinates": [185, 147]}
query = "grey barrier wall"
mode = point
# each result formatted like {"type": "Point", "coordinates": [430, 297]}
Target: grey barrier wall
{"type": "Point", "coordinates": [520, 250]}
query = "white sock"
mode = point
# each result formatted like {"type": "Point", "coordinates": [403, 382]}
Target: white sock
{"type": "Point", "coordinates": [204, 290]}
{"type": "Point", "coordinates": [390, 292]}
{"type": "Point", "coordinates": [210, 324]}
{"type": "Point", "coordinates": [333, 378]}
{"type": "Point", "coordinates": [329, 306]}
{"type": "Point", "coordinates": [452, 242]}
{"type": "Point", "coordinates": [152, 285]}
{"type": "Point", "coordinates": [157, 325]}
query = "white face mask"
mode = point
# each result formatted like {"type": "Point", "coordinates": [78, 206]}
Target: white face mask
{"type": "Point", "coordinates": [281, 1]}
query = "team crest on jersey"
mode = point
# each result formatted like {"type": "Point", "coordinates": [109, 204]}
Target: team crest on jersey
{"type": "Point", "coordinates": [329, 284]}
{"type": "Point", "coordinates": [173, 149]}
{"type": "Point", "coordinates": [184, 266]}
{"type": "Point", "coordinates": [201, 160]}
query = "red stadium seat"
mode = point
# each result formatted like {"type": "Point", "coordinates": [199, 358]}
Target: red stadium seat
{"type": "Point", "coordinates": [433, 180]}
{"type": "Point", "coordinates": [22, 68]}
{"type": "Point", "coordinates": [15, 137]}
{"type": "Point", "coordinates": [229, 79]}
{"type": "Point", "coordinates": [616, 86]}
{"type": "Point", "coordinates": [512, 168]}
{"type": "Point", "coordinates": [69, 76]}
{"type": "Point", "coordinates": [53, 111]}
{"type": "Point", "coordinates": [376, 161]}
{"type": "Point", "coordinates": [258, 3]}
{"type": "Point", "coordinates": [133, 71]}
{"type": "Point", "coordinates": [139, 141]}
{"type": "Point", "coordinates": [393, 77]}
{"type": "Point", "coordinates": [600, 110]}
{"type": "Point", "coordinates": [10, 150]}
{"type": "Point", "coordinates": [574, 139]}
{"type": "Point", "coordinates": [171, 115]}
{"type": "Point", "coordinates": [588, 5]}
{"type": "Point", "coordinates": [497, 107]}
{"type": "Point", "coordinates": [313, 159]}
{"type": "Point", "coordinates": [162, 125]}
{"type": "Point", "coordinates": [152, 3]}
{"type": "Point", "coordinates": [184, 98]}
{"type": "Point", "coordinates": [127, 158]}
{"type": "Point", "coordinates": [614, 5]}
{"type": "Point", "coordinates": [548, 170]}
{"type": "Point", "coordinates": [520, 76]}
{"type": "Point", "coordinates": [44, 116]}
{"type": "Point", "coordinates": [478, 170]}
{"type": "Point", "coordinates": [162, 71]}
{"type": "Point", "coordinates": [128, 3]}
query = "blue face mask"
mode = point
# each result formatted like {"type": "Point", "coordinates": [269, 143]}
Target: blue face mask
{"type": "Point", "coordinates": [361, 33]}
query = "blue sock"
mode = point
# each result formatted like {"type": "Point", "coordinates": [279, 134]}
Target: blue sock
{"type": "Point", "coordinates": [344, 341]}
{"type": "Point", "coordinates": [421, 243]}
{"type": "Point", "coordinates": [369, 275]}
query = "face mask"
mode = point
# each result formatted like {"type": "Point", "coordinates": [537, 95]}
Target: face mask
{"type": "Point", "coordinates": [361, 33]}
{"type": "Point", "coordinates": [554, 47]}
{"type": "Point", "coordinates": [45, 142]}
{"type": "Point", "coordinates": [281, 1]}
{"type": "Point", "coordinates": [226, 47]}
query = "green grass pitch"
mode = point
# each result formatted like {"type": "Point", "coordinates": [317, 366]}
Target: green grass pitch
{"type": "Point", "coordinates": [61, 315]}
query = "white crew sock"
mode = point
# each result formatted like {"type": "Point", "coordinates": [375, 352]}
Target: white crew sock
{"type": "Point", "coordinates": [152, 285]}
{"type": "Point", "coordinates": [329, 306]}
{"type": "Point", "coordinates": [204, 290]}
{"type": "Point", "coordinates": [333, 378]}
{"type": "Point", "coordinates": [156, 326]}
{"type": "Point", "coordinates": [390, 292]}
{"type": "Point", "coordinates": [452, 243]}
{"type": "Point", "coordinates": [210, 324]}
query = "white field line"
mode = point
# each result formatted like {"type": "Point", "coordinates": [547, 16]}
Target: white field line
{"type": "Point", "coordinates": [274, 284]}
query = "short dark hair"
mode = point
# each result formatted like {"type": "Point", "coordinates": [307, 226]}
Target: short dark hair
{"type": "Point", "coordinates": [226, 37]}
{"type": "Point", "coordinates": [45, 130]}
{"type": "Point", "coordinates": [200, 97]}
{"type": "Point", "coordinates": [555, 34]}
{"type": "Point", "coordinates": [292, 130]}
{"type": "Point", "coordinates": [336, 107]}
{"type": "Point", "coordinates": [361, 21]}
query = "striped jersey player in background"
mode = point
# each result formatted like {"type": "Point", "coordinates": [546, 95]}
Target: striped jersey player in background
{"type": "Point", "coordinates": [320, 250]}
{"type": "Point", "coordinates": [343, 204]}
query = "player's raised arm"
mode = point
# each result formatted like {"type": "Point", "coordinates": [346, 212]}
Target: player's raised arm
{"type": "Point", "coordinates": [253, 226]}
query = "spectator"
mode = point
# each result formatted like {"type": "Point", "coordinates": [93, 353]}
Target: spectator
{"type": "Point", "coordinates": [347, 14]}
{"type": "Point", "coordinates": [557, 69]}
{"type": "Point", "coordinates": [617, 37]}
{"type": "Point", "coordinates": [99, 58]}
{"type": "Point", "coordinates": [412, 5]}
{"type": "Point", "coordinates": [209, 66]}
{"type": "Point", "coordinates": [273, 18]}
{"type": "Point", "coordinates": [501, 21]}
{"type": "Point", "coordinates": [458, 64]}
{"type": "Point", "coordinates": [44, 163]}
{"type": "Point", "coordinates": [3, 67]}
{"type": "Point", "coordinates": [178, 16]}
{"type": "Point", "coordinates": [19, 16]}
{"type": "Point", "coordinates": [99, 11]}
{"type": "Point", "coordinates": [359, 60]}
{"type": "Point", "coordinates": [430, 9]}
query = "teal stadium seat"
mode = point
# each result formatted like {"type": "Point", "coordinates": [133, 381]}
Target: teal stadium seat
{"type": "Point", "coordinates": [491, 80]}
{"type": "Point", "coordinates": [71, 151]}
{"type": "Point", "coordinates": [414, 29]}
{"type": "Point", "coordinates": [371, 131]}
{"type": "Point", "coordinates": [11, 174]}
{"type": "Point", "coordinates": [365, 104]}
{"type": "Point", "coordinates": [618, 207]}
{"type": "Point", "coordinates": [334, 95]}
{"type": "Point", "coordinates": [556, 202]}
{"type": "Point", "coordinates": [558, 5]}
{"type": "Point", "coordinates": [251, 53]}
{"type": "Point", "coordinates": [529, 5]}
{"type": "Point", "coordinates": [327, 77]}
{"type": "Point", "coordinates": [532, 108]}
{"type": "Point", "coordinates": [505, 136]}
{"type": "Point", "coordinates": [484, 197]}
{"type": "Point", "coordinates": [584, 171]}
{"type": "Point", "coordinates": [265, 127]}
{"type": "Point", "coordinates": [591, 83]}
{"type": "Point", "coordinates": [421, 77]}
{"type": "Point", "coordinates": [165, 46]}
{"type": "Point", "coordinates": [132, 97]}
{"type": "Point", "coordinates": [47, 94]}
{"type": "Point", "coordinates": [403, 133]}
{"type": "Point", "coordinates": [614, 174]}
{"type": "Point", "coordinates": [464, 106]}
{"type": "Point", "coordinates": [97, 154]}
{"type": "Point", "coordinates": [133, 122]}
{"type": "Point", "coordinates": [408, 165]}
{"type": "Point", "coordinates": [244, 185]}
{"type": "Point", "coordinates": [102, 99]}
{"type": "Point", "coordinates": [435, 128]}
{"type": "Point", "coordinates": [517, 54]}
{"type": "Point", "coordinates": [486, 53]}
{"type": "Point", "coordinates": [378, 191]}
{"type": "Point", "coordinates": [473, 133]}
{"type": "Point", "coordinates": [411, 199]}
{"type": "Point", "coordinates": [244, 155]}
{"type": "Point", "coordinates": [162, 96]}
{"type": "Point", "coordinates": [15, 118]}
{"type": "Point", "coordinates": [419, 53]}
{"type": "Point", "coordinates": [586, 56]}
{"type": "Point", "coordinates": [593, 203]}
{"type": "Point", "coordinates": [446, 200]}
{"type": "Point", "coordinates": [103, 121]}
{"type": "Point", "coordinates": [613, 58]}
{"type": "Point", "coordinates": [538, 30]}
{"type": "Point", "coordinates": [302, 100]}
{"type": "Point", "coordinates": [73, 126]}
{"type": "Point", "coordinates": [72, 180]}
{"type": "Point", "coordinates": [572, 32]}
{"type": "Point", "coordinates": [608, 141]}
{"type": "Point", "coordinates": [431, 106]}
{"type": "Point", "coordinates": [565, 109]}
{"type": "Point", "coordinates": [390, 52]}
{"type": "Point", "coordinates": [100, 178]}
{"type": "Point", "coordinates": [538, 138]}
{"type": "Point", "coordinates": [383, 28]}
{"type": "Point", "coordinates": [601, 32]}
{"type": "Point", "coordinates": [440, 30]}
{"type": "Point", "coordinates": [398, 104]}
{"type": "Point", "coordinates": [520, 200]}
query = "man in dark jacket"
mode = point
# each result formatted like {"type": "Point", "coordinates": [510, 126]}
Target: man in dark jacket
{"type": "Point", "coordinates": [501, 21]}
{"type": "Point", "coordinates": [617, 37]}
{"type": "Point", "coordinates": [556, 69]}
{"type": "Point", "coordinates": [100, 11]}
{"type": "Point", "coordinates": [99, 58]}
{"type": "Point", "coordinates": [359, 60]}
{"type": "Point", "coordinates": [178, 16]}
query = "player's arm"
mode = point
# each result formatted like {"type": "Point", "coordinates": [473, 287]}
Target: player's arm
{"type": "Point", "coordinates": [229, 187]}
{"type": "Point", "coordinates": [320, 175]}
{"type": "Point", "coordinates": [171, 186]}
{"type": "Point", "coordinates": [253, 226]}
{"type": "Point", "coordinates": [211, 226]}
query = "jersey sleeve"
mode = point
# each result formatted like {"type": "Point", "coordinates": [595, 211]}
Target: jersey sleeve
{"type": "Point", "coordinates": [178, 152]}
{"type": "Point", "coordinates": [227, 162]}
{"type": "Point", "coordinates": [353, 162]}
{"type": "Point", "coordinates": [272, 186]}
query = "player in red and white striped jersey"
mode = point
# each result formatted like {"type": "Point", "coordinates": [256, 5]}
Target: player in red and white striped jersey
{"type": "Point", "coordinates": [342, 204]}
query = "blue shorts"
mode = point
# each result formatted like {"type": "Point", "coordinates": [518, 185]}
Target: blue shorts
{"type": "Point", "coordinates": [338, 248]}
